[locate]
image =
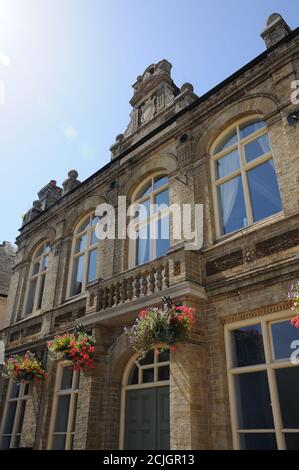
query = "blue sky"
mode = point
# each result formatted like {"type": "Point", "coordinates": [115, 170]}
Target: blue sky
{"type": "Point", "coordinates": [68, 67]}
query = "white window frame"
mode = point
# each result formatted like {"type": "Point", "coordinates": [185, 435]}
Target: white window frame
{"type": "Point", "coordinates": [19, 399]}
{"type": "Point", "coordinates": [242, 171]}
{"type": "Point", "coordinates": [270, 365]}
{"type": "Point", "coordinates": [154, 217]}
{"type": "Point", "coordinates": [40, 277]}
{"type": "Point", "coordinates": [141, 385]}
{"type": "Point", "coordinates": [73, 392]}
{"type": "Point", "coordinates": [86, 253]}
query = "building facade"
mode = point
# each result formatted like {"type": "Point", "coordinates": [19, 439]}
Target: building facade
{"type": "Point", "coordinates": [231, 385]}
{"type": "Point", "coordinates": [7, 255]}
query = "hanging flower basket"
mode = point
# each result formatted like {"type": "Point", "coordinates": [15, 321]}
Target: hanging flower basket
{"type": "Point", "coordinates": [293, 297]}
{"type": "Point", "coordinates": [169, 324]}
{"type": "Point", "coordinates": [24, 368]}
{"type": "Point", "coordinates": [77, 347]}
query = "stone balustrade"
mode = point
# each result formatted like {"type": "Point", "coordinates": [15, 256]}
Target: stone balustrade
{"type": "Point", "coordinates": [133, 284]}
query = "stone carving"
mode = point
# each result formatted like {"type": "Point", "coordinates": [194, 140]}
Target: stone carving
{"type": "Point", "coordinates": [279, 243]}
{"type": "Point", "coordinates": [229, 261]}
{"type": "Point", "coordinates": [249, 255]}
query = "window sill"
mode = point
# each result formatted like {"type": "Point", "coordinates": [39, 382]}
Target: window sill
{"type": "Point", "coordinates": [249, 229]}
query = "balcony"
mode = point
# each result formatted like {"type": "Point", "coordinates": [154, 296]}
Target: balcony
{"type": "Point", "coordinates": [177, 275]}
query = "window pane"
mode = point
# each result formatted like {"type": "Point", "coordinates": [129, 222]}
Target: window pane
{"type": "Point", "coordinates": [93, 239]}
{"type": "Point", "coordinates": [248, 345]}
{"type": "Point", "coordinates": [283, 333]}
{"type": "Point", "coordinates": [5, 442]}
{"type": "Point", "coordinates": [160, 181]}
{"type": "Point", "coordinates": [228, 141]}
{"type": "Point", "coordinates": [258, 441]}
{"type": "Point", "coordinates": [292, 441]}
{"type": "Point", "coordinates": [74, 412]}
{"type": "Point", "coordinates": [142, 245]}
{"type": "Point", "coordinates": [253, 401]}
{"type": "Point", "coordinates": [17, 441]}
{"type": "Point", "coordinates": [288, 386]}
{"type": "Point", "coordinates": [162, 198]}
{"type": "Point", "coordinates": [95, 220]}
{"type": "Point", "coordinates": [232, 205]}
{"type": "Point", "coordinates": [62, 413]}
{"type": "Point", "coordinates": [41, 292]}
{"type": "Point", "coordinates": [80, 244]}
{"type": "Point", "coordinates": [59, 441]}
{"type": "Point", "coordinates": [147, 189]}
{"type": "Point", "coordinates": [92, 266]}
{"type": "Point", "coordinates": [133, 377]}
{"type": "Point", "coordinates": [67, 378]}
{"type": "Point", "coordinates": [84, 224]}
{"type": "Point", "coordinates": [21, 416]}
{"type": "Point", "coordinates": [10, 417]}
{"type": "Point", "coordinates": [148, 359]}
{"type": "Point", "coordinates": [163, 237]}
{"type": "Point", "coordinates": [47, 247]}
{"type": "Point", "coordinates": [163, 373]}
{"type": "Point", "coordinates": [35, 269]}
{"type": "Point", "coordinates": [163, 356]}
{"type": "Point", "coordinates": [264, 191]}
{"type": "Point", "coordinates": [227, 164]}
{"type": "Point", "coordinates": [40, 251]}
{"type": "Point", "coordinates": [31, 296]}
{"type": "Point", "coordinates": [46, 262]}
{"type": "Point", "coordinates": [147, 375]}
{"type": "Point", "coordinates": [77, 275]}
{"type": "Point", "coordinates": [15, 390]}
{"type": "Point", "coordinates": [144, 210]}
{"type": "Point", "coordinates": [247, 129]}
{"type": "Point", "coordinates": [257, 147]}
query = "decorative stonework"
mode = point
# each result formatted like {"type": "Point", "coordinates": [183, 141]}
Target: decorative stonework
{"type": "Point", "coordinates": [259, 312]}
{"type": "Point", "coordinates": [279, 243]}
{"type": "Point", "coordinates": [229, 261]}
{"type": "Point", "coordinates": [249, 255]}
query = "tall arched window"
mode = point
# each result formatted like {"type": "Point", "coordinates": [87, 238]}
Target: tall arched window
{"type": "Point", "coordinates": [84, 254]}
{"type": "Point", "coordinates": [37, 277]}
{"type": "Point", "coordinates": [245, 184]}
{"type": "Point", "coordinates": [151, 221]}
{"type": "Point", "coordinates": [145, 413]}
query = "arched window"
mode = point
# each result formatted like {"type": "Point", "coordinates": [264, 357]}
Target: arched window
{"type": "Point", "coordinates": [151, 220]}
{"type": "Point", "coordinates": [145, 413]}
{"type": "Point", "coordinates": [37, 277]}
{"type": "Point", "coordinates": [84, 254]}
{"type": "Point", "coordinates": [245, 184]}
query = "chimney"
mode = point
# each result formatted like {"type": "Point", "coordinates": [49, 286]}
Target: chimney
{"type": "Point", "coordinates": [276, 29]}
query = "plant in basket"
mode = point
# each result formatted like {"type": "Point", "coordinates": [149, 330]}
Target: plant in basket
{"type": "Point", "coordinates": [77, 346]}
{"type": "Point", "coordinates": [293, 297]}
{"type": "Point", "coordinates": [25, 368]}
{"type": "Point", "coordinates": [168, 325]}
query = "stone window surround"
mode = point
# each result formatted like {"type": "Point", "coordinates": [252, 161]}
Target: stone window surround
{"type": "Point", "coordinates": [125, 387]}
{"type": "Point", "coordinates": [269, 366]}
{"type": "Point", "coordinates": [214, 156]}
{"type": "Point", "coordinates": [72, 408]}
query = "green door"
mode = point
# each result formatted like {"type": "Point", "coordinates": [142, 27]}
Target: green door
{"type": "Point", "coordinates": [147, 419]}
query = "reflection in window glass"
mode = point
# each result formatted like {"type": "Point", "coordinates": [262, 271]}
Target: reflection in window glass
{"type": "Point", "coordinates": [288, 386]}
{"type": "Point", "coordinates": [264, 192]}
{"type": "Point", "coordinates": [247, 129]}
{"type": "Point", "coordinates": [258, 441]}
{"type": "Point", "coordinates": [283, 333]}
{"type": "Point", "coordinates": [249, 348]}
{"type": "Point", "coordinates": [163, 237]}
{"type": "Point", "coordinates": [92, 266]}
{"type": "Point", "coordinates": [257, 148]}
{"type": "Point", "coordinates": [292, 441]}
{"type": "Point", "coordinates": [254, 403]}
{"type": "Point", "coordinates": [228, 141]}
{"type": "Point", "coordinates": [78, 275]}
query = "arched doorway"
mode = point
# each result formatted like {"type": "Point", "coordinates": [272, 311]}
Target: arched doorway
{"type": "Point", "coordinates": [145, 403]}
